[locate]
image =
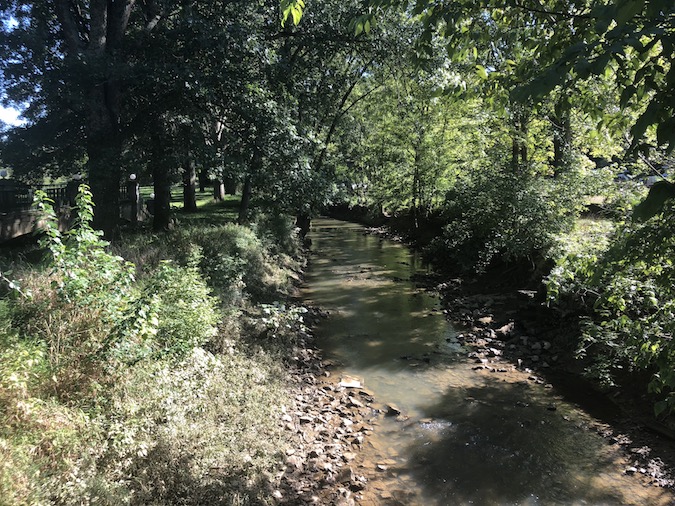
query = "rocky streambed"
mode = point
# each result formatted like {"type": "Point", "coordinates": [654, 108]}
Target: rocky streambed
{"type": "Point", "coordinates": [513, 332]}
{"type": "Point", "coordinates": [392, 405]}
{"type": "Point", "coordinates": [327, 424]}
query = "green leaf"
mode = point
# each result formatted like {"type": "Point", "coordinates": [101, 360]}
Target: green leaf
{"type": "Point", "coordinates": [627, 10]}
{"type": "Point", "coordinates": [481, 72]}
{"type": "Point", "coordinates": [297, 15]}
{"type": "Point", "coordinates": [665, 133]}
{"type": "Point", "coordinates": [626, 95]}
{"type": "Point", "coordinates": [292, 9]}
{"type": "Point", "coordinates": [660, 407]}
{"type": "Point", "coordinates": [654, 203]}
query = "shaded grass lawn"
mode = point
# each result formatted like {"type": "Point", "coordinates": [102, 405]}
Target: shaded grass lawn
{"type": "Point", "coordinates": [210, 211]}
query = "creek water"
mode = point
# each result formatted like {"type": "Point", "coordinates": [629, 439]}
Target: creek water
{"type": "Point", "coordinates": [465, 436]}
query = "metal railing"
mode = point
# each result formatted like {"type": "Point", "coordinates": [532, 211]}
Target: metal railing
{"type": "Point", "coordinates": [15, 195]}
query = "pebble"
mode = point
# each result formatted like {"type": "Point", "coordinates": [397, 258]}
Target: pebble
{"type": "Point", "coordinates": [349, 382]}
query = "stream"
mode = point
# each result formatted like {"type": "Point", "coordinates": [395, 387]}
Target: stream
{"type": "Point", "coordinates": [464, 435]}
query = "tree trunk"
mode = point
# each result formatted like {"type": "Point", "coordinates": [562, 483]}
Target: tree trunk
{"type": "Point", "coordinates": [189, 186]}
{"type": "Point", "coordinates": [562, 141]}
{"type": "Point", "coordinates": [230, 185]}
{"type": "Point", "coordinates": [417, 178]}
{"type": "Point", "coordinates": [218, 190]}
{"type": "Point", "coordinates": [523, 142]}
{"type": "Point", "coordinates": [416, 193]}
{"type": "Point", "coordinates": [519, 154]}
{"type": "Point", "coordinates": [161, 183]}
{"type": "Point", "coordinates": [103, 164]}
{"type": "Point", "coordinates": [203, 180]}
{"type": "Point", "coordinates": [256, 166]}
{"type": "Point", "coordinates": [303, 221]}
{"type": "Point", "coordinates": [98, 41]}
{"type": "Point", "coordinates": [245, 201]}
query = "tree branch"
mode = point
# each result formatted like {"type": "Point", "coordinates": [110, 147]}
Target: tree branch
{"type": "Point", "coordinates": [119, 13]}
{"type": "Point", "coordinates": [152, 12]}
{"type": "Point", "coordinates": [557, 14]}
{"type": "Point", "coordinates": [98, 16]}
{"type": "Point", "coordinates": [71, 34]}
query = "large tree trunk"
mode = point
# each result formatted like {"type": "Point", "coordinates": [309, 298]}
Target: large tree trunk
{"type": "Point", "coordinates": [161, 183]}
{"type": "Point", "coordinates": [104, 151]}
{"type": "Point", "coordinates": [245, 201]}
{"type": "Point", "coordinates": [189, 186]}
{"type": "Point", "coordinates": [97, 43]}
{"type": "Point", "coordinates": [104, 180]}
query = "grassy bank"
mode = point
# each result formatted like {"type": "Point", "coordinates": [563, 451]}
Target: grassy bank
{"type": "Point", "coordinates": [148, 373]}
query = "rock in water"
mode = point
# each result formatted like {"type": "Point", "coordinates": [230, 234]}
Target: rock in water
{"type": "Point", "coordinates": [393, 410]}
{"type": "Point", "coordinates": [349, 382]}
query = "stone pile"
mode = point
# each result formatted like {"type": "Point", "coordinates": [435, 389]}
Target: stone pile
{"type": "Point", "coordinates": [491, 340]}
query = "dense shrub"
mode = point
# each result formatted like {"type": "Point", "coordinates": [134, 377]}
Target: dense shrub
{"type": "Point", "coordinates": [200, 431]}
{"type": "Point", "coordinates": [629, 292]}
{"type": "Point", "coordinates": [106, 393]}
{"type": "Point", "coordinates": [499, 215]}
{"type": "Point", "coordinates": [185, 310]}
{"type": "Point", "coordinates": [277, 231]}
{"type": "Point", "coordinates": [235, 261]}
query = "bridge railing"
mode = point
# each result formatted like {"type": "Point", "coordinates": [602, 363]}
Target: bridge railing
{"type": "Point", "coordinates": [16, 199]}
{"type": "Point", "coordinates": [15, 196]}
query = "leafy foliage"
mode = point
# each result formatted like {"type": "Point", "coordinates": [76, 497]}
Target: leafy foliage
{"type": "Point", "coordinates": [500, 216]}
{"type": "Point", "coordinates": [107, 394]}
{"type": "Point", "coordinates": [629, 291]}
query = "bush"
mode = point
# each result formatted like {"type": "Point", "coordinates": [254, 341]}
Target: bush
{"type": "Point", "coordinates": [498, 215]}
{"type": "Point", "coordinates": [106, 394]}
{"type": "Point", "coordinates": [630, 293]}
{"type": "Point", "coordinates": [233, 260]}
{"type": "Point", "coordinates": [198, 431]}
{"type": "Point", "coordinates": [185, 311]}
{"type": "Point", "coordinates": [75, 304]}
{"type": "Point", "coordinates": [278, 232]}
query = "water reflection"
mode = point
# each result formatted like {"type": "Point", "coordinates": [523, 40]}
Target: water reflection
{"type": "Point", "coordinates": [468, 436]}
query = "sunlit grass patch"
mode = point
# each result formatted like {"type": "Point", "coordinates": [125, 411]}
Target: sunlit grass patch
{"type": "Point", "coordinates": [588, 236]}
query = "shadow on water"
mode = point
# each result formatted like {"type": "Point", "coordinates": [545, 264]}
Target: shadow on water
{"type": "Point", "coordinates": [486, 446]}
